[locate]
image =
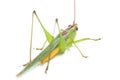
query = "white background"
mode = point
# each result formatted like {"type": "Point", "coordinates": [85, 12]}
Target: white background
{"type": "Point", "coordinates": [95, 18]}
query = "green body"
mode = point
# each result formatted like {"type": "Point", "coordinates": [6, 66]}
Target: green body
{"type": "Point", "coordinates": [67, 35]}
{"type": "Point", "coordinates": [65, 39]}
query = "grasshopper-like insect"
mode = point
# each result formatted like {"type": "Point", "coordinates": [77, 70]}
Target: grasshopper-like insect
{"type": "Point", "coordinates": [57, 45]}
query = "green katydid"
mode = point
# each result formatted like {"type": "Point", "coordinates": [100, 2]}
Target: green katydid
{"type": "Point", "coordinates": [57, 45]}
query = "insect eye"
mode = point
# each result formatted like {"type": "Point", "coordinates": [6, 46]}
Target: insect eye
{"type": "Point", "coordinates": [69, 26]}
{"type": "Point", "coordinates": [76, 28]}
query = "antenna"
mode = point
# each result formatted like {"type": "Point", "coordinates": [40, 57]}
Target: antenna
{"type": "Point", "coordinates": [74, 11]}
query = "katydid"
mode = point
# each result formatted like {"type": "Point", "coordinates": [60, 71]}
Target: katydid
{"type": "Point", "coordinates": [57, 45]}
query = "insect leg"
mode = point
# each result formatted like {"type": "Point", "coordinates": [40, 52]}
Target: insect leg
{"type": "Point", "coordinates": [49, 37]}
{"type": "Point", "coordinates": [41, 48]}
{"type": "Point", "coordinates": [62, 44]}
{"type": "Point", "coordinates": [62, 40]}
{"type": "Point", "coordinates": [84, 39]}
{"type": "Point", "coordinates": [79, 50]}
{"type": "Point", "coordinates": [48, 63]}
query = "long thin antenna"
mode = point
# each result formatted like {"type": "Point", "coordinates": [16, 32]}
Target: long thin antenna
{"type": "Point", "coordinates": [74, 11]}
